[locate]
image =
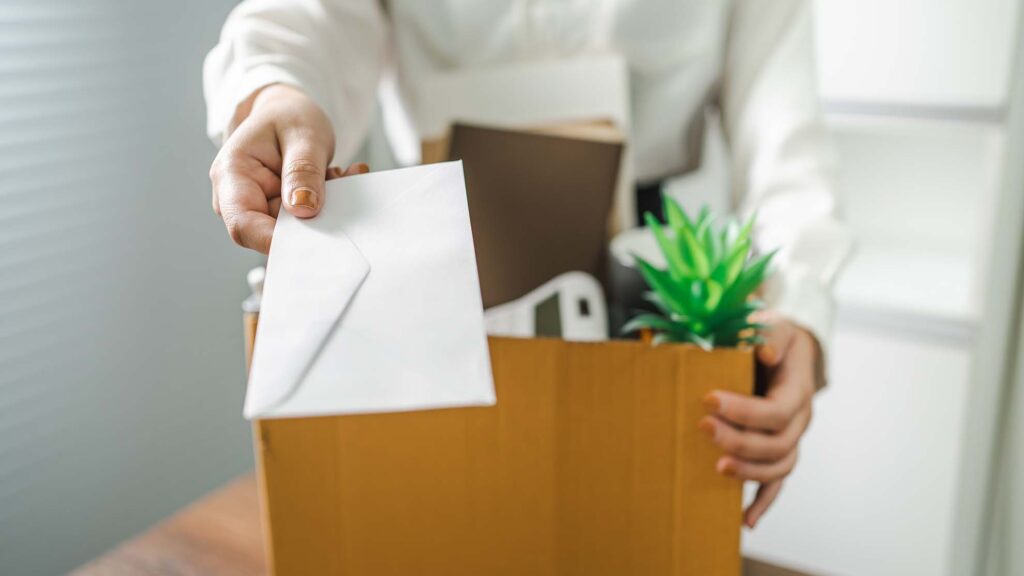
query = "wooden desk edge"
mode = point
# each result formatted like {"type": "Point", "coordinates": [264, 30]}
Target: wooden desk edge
{"type": "Point", "coordinates": [217, 535]}
{"type": "Point", "coordinates": [220, 535]}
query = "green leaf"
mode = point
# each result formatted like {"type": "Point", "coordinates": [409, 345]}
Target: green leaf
{"type": "Point", "coordinates": [733, 263]}
{"type": "Point", "coordinates": [653, 298]}
{"type": "Point", "coordinates": [704, 217]}
{"type": "Point", "coordinates": [704, 295]}
{"type": "Point", "coordinates": [697, 298]}
{"type": "Point", "coordinates": [652, 321]}
{"type": "Point", "coordinates": [714, 297]}
{"type": "Point", "coordinates": [746, 307]}
{"type": "Point", "coordinates": [756, 272]}
{"type": "Point", "coordinates": [734, 326]}
{"type": "Point", "coordinates": [701, 266]}
{"type": "Point", "coordinates": [743, 309]}
{"type": "Point", "coordinates": [675, 215]}
{"type": "Point", "coordinates": [677, 267]}
{"type": "Point", "coordinates": [661, 282]}
{"type": "Point", "coordinates": [748, 228]}
{"type": "Point", "coordinates": [749, 280]}
{"type": "Point", "coordinates": [706, 238]}
{"type": "Point", "coordinates": [730, 233]}
{"type": "Point", "coordinates": [663, 338]}
{"type": "Point", "coordinates": [705, 343]}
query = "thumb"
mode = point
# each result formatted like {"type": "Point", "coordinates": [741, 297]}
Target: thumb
{"type": "Point", "coordinates": [303, 175]}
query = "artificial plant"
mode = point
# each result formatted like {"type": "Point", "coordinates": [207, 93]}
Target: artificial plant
{"type": "Point", "coordinates": [704, 294]}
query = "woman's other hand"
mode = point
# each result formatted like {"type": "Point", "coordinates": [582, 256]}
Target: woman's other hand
{"type": "Point", "coordinates": [760, 435]}
{"type": "Point", "coordinates": [278, 154]}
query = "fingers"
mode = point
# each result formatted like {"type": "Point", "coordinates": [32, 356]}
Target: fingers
{"type": "Point", "coordinates": [353, 169]}
{"type": "Point", "coordinates": [357, 168]}
{"type": "Point", "coordinates": [760, 435]}
{"type": "Point", "coordinates": [303, 173]}
{"type": "Point", "coordinates": [240, 199]}
{"type": "Point", "coordinates": [277, 156]}
{"type": "Point", "coordinates": [754, 445]}
{"type": "Point", "coordinates": [757, 471]}
{"type": "Point", "coordinates": [251, 229]}
{"type": "Point", "coordinates": [771, 413]}
{"type": "Point", "coordinates": [766, 495]}
{"type": "Point", "coordinates": [791, 388]}
{"type": "Point", "coordinates": [269, 182]}
{"type": "Point", "coordinates": [778, 337]}
{"type": "Point", "coordinates": [243, 207]}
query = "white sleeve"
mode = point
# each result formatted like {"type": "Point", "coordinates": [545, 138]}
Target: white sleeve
{"type": "Point", "coordinates": [782, 158]}
{"type": "Point", "coordinates": [333, 50]}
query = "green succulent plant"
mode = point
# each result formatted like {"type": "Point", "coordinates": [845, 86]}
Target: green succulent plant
{"type": "Point", "coordinates": [704, 295]}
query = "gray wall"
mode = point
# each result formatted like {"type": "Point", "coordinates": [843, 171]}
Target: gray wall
{"type": "Point", "coordinates": [121, 369]}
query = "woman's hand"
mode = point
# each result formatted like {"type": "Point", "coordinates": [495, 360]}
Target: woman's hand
{"type": "Point", "coordinates": [760, 435]}
{"type": "Point", "coordinates": [278, 152]}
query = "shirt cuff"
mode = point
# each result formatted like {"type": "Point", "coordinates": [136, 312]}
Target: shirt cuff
{"type": "Point", "coordinates": [235, 91]}
{"type": "Point", "coordinates": [798, 295]}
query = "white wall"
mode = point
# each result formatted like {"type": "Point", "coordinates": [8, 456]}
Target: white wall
{"type": "Point", "coordinates": [936, 53]}
{"type": "Point", "coordinates": [873, 492]}
{"type": "Point", "coordinates": [121, 372]}
{"type": "Point", "coordinates": [882, 461]}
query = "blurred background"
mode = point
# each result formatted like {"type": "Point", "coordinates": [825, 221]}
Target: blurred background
{"type": "Point", "coordinates": [121, 355]}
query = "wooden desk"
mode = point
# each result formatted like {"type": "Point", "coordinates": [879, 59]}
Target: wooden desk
{"type": "Point", "coordinates": [219, 535]}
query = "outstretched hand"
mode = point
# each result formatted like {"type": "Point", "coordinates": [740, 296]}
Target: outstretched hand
{"type": "Point", "coordinates": [278, 155]}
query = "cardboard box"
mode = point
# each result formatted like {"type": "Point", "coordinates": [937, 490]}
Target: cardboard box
{"type": "Point", "coordinates": [590, 463]}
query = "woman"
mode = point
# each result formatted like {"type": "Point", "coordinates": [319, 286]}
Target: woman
{"type": "Point", "coordinates": [291, 88]}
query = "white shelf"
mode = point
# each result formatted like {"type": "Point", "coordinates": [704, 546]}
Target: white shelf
{"type": "Point", "coordinates": [930, 294]}
{"type": "Point", "coordinates": [919, 195]}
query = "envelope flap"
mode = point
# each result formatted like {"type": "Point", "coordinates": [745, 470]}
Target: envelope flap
{"type": "Point", "coordinates": [320, 269]}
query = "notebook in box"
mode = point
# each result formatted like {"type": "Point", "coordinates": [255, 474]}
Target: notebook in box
{"type": "Point", "coordinates": [538, 204]}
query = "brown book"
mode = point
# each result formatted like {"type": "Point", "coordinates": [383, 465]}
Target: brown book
{"type": "Point", "coordinates": [539, 203]}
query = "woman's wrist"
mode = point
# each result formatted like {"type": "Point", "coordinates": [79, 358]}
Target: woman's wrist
{"type": "Point", "coordinates": [261, 97]}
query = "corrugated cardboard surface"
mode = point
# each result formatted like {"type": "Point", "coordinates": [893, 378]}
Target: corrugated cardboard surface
{"type": "Point", "coordinates": [590, 463]}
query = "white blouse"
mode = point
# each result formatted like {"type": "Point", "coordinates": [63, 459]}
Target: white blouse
{"type": "Point", "coordinates": [753, 60]}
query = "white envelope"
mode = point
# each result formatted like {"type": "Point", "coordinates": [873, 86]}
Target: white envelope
{"type": "Point", "coordinates": [374, 305]}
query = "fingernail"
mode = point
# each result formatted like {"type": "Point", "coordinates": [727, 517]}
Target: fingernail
{"type": "Point", "coordinates": [708, 428]}
{"type": "Point", "coordinates": [726, 467]}
{"type": "Point", "coordinates": [304, 197]}
{"type": "Point", "coordinates": [713, 403]}
{"type": "Point", "coordinates": [362, 168]}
